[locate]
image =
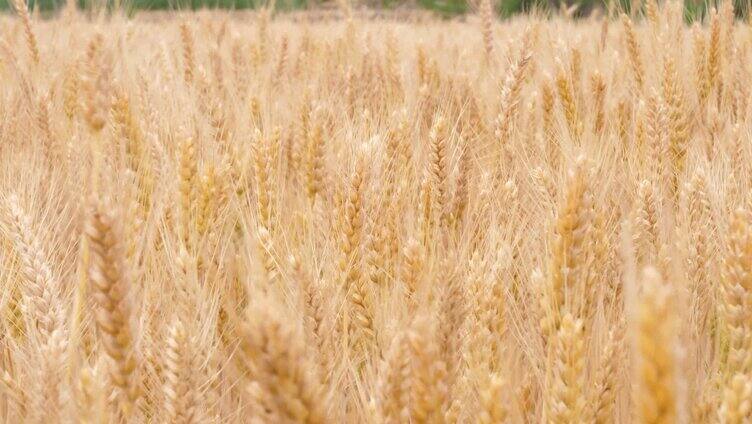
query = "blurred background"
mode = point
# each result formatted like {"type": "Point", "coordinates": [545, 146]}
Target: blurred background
{"type": "Point", "coordinates": [695, 9]}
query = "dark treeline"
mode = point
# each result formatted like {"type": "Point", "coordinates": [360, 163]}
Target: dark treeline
{"type": "Point", "coordinates": [695, 9]}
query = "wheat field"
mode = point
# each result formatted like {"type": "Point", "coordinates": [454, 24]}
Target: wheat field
{"type": "Point", "coordinates": [291, 218]}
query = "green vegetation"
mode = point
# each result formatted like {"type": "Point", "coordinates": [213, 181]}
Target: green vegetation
{"type": "Point", "coordinates": [694, 8]}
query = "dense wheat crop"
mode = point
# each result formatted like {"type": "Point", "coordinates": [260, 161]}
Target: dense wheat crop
{"type": "Point", "coordinates": [304, 219]}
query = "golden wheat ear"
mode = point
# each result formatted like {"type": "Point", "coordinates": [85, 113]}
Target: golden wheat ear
{"type": "Point", "coordinates": [280, 382]}
{"type": "Point", "coordinates": [655, 346]}
{"type": "Point", "coordinates": [110, 278]}
{"type": "Point", "coordinates": [31, 40]}
{"type": "Point", "coordinates": [42, 289]}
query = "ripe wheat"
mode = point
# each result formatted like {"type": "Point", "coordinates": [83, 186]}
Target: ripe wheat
{"type": "Point", "coordinates": [329, 217]}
